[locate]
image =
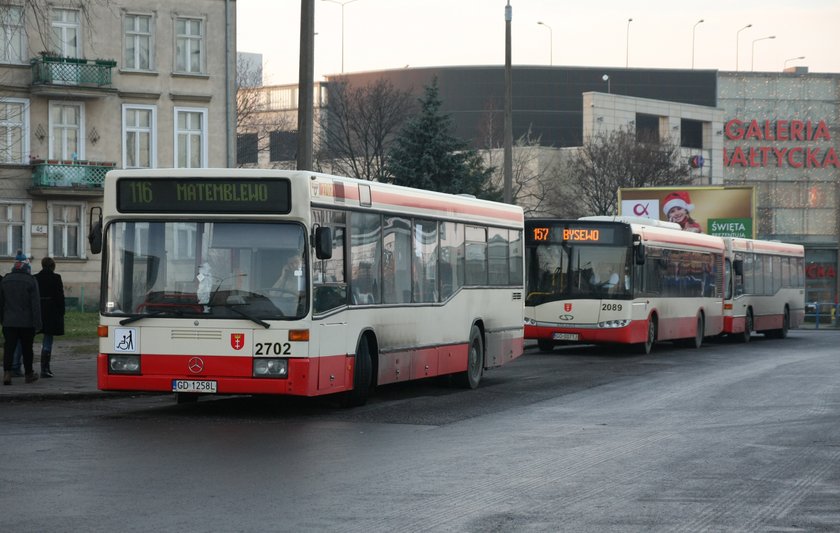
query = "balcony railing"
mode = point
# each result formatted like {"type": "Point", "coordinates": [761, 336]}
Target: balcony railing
{"type": "Point", "coordinates": [60, 173]}
{"type": "Point", "coordinates": [49, 70]}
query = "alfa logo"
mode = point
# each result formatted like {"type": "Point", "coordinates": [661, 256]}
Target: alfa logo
{"type": "Point", "coordinates": [567, 307]}
{"type": "Point", "coordinates": [237, 341]}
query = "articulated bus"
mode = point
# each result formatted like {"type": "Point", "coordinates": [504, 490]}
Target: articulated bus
{"type": "Point", "coordinates": [232, 281]}
{"type": "Point", "coordinates": [765, 289]}
{"type": "Point", "coordinates": [621, 280]}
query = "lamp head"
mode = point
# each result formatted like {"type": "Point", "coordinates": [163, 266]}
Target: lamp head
{"type": "Point", "coordinates": [605, 77]}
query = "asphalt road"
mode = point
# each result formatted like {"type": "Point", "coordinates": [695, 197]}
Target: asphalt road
{"type": "Point", "coordinates": [729, 437]}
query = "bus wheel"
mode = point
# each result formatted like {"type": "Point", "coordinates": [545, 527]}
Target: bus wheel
{"type": "Point", "coordinates": [699, 333]}
{"type": "Point", "coordinates": [783, 332]}
{"type": "Point", "coordinates": [185, 397]}
{"type": "Point", "coordinates": [545, 345]}
{"type": "Point", "coordinates": [475, 362]}
{"type": "Point", "coordinates": [748, 327]}
{"type": "Point", "coordinates": [647, 346]}
{"type": "Point", "coordinates": [361, 376]}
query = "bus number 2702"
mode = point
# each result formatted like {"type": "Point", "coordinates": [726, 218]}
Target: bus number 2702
{"type": "Point", "coordinates": [610, 307]}
{"type": "Point", "coordinates": [273, 348]}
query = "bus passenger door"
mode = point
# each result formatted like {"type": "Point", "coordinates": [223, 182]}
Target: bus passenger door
{"type": "Point", "coordinates": [329, 304]}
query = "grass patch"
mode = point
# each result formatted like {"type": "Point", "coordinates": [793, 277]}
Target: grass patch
{"type": "Point", "coordinates": [81, 324]}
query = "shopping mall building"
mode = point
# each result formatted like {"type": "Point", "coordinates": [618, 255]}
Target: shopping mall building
{"type": "Point", "coordinates": [774, 131]}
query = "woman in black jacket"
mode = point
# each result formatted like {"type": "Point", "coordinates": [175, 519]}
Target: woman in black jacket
{"type": "Point", "coordinates": [52, 310]}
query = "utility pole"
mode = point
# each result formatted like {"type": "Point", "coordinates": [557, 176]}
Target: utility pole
{"type": "Point", "coordinates": [508, 177]}
{"type": "Point", "coordinates": [306, 75]}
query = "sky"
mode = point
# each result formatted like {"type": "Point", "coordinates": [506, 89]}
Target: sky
{"type": "Point", "coordinates": [391, 34]}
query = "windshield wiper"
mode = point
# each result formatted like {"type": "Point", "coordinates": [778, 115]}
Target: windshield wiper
{"type": "Point", "coordinates": [243, 314]}
{"type": "Point", "coordinates": [160, 312]}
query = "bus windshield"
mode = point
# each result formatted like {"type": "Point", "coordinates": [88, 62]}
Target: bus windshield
{"type": "Point", "coordinates": [255, 271]}
{"type": "Point", "coordinates": [562, 271]}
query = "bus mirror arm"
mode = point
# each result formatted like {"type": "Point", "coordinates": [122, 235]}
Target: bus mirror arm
{"type": "Point", "coordinates": [323, 242]}
{"type": "Point", "coordinates": [95, 233]}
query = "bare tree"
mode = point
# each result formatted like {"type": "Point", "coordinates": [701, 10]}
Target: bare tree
{"type": "Point", "coordinates": [359, 125]}
{"type": "Point", "coordinates": [613, 160]}
{"type": "Point", "coordinates": [532, 176]}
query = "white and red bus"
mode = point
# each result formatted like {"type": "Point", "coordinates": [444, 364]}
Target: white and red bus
{"type": "Point", "coordinates": [621, 280]}
{"type": "Point", "coordinates": [765, 289]}
{"type": "Point", "coordinates": [232, 281]}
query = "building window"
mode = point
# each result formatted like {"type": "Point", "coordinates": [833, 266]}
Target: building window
{"type": "Point", "coordinates": [14, 130]}
{"type": "Point", "coordinates": [139, 136]}
{"type": "Point", "coordinates": [190, 137]}
{"type": "Point", "coordinates": [246, 148]}
{"type": "Point", "coordinates": [138, 42]}
{"type": "Point", "coordinates": [12, 224]}
{"type": "Point", "coordinates": [67, 123]}
{"type": "Point", "coordinates": [189, 45]}
{"type": "Point", "coordinates": [67, 32]}
{"type": "Point", "coordinates": [65, 230]}
{"type": "Point", "coordinates": [12, 45]}
{"type": "Point", "coordinates": [282, 145]}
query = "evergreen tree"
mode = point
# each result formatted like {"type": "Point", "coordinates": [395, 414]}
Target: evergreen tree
{"type": "Point", "coordinates": [426, 156]}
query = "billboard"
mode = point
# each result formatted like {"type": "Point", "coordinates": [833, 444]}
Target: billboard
{"type": "Point", "coordinates": [722, 211]}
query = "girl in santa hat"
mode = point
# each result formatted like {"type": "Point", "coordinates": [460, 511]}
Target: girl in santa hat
{"type": "Point", "coordinates": [677, 206]}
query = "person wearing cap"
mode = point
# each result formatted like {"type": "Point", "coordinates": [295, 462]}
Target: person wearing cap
{"type": "Point", "coordinates": [677, 206]}
{"type": "Point", "coordinates": [20, 315]}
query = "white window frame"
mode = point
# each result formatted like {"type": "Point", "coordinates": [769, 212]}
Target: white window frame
{"type": "Point", "coordinates": [203, 132]}
{"type": "Point", "coordinates": [152, 131]}
{"type": "Point", "coordinates": [13, 35]}
{"type": "Point", "coordinates": [6, 128]}
{"type": "Point", "coordinates": [57, 230]}
{"type": "Point", "coordinates": [60, 29]}
{"type": "Point", "coordinates": [25, 224]}
{"type": "Point", "coordinates": [60, 144]}
{"type": "Point", "coordinates": [138, 35]}
{"type": "Point", "coordinates": [187, 38]}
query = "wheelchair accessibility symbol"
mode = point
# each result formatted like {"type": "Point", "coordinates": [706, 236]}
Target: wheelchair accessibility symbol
{"type": "Point", "coordinates": [125, 340]}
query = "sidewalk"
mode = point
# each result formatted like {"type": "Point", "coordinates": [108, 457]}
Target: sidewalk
{"type": "Point", "coordinates": [74, 366]}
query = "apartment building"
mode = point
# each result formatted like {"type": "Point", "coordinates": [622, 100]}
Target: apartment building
{"type": "Point", "coordinates": [91, 85]}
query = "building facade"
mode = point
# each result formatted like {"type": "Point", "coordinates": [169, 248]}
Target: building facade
{"type": "Point", "coordinates": [88, 86]}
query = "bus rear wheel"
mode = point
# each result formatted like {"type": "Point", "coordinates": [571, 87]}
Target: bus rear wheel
{"type": "Point", "coordinates": [748, 327]}
{"type": "Point", "coordinates": [475, 361]}
{"type": "Point", "coordinates": [783, 331]}
{"type": "Point", "coordinates": [700, 333]}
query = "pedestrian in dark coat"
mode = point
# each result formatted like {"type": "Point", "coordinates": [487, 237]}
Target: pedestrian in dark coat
{"type": "Point", "coordinates": [52, 310]}
{"type": "Point", "coordinates": [20, 314]}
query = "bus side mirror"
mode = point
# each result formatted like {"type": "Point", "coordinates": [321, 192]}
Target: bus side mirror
{"type": "Point", "coordinates": [95, 233]}
{"type": "Point", "coordinates": [639, 254]}
{"type": "Point", "coordinates": [738, 267]}
{"type": "Point", "coordinates": [323, 242]}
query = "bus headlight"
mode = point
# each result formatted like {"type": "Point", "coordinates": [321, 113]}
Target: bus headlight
{"type": "Point", "coordinates": [271, 368]}
{"type": "Point", "coordinates": [614, 323]}
{"type": "Point", "coordinates": [124, 364]}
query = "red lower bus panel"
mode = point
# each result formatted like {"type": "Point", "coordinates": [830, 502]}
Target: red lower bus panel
{"type": "Point", "coordinates": [233, 375]}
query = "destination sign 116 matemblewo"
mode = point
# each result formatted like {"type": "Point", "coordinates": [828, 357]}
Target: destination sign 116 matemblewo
{"type": "Point", "coordinates": [204, 195]}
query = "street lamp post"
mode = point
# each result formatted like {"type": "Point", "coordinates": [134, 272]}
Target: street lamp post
{"type": "Point", "coordinates": [752, 55]}
{"type": "Point", "coordinates": [693, 30]}
{"type": "Point", "coordinates": [342, 4]}
{"type": "Point", "coordinates": [791, 59]}
{"type": "Point", "coordinates": [627, 45]}
{"type": "Point", "coordinates": [737, 40]}
{"type": "Point", "coordinates": [550, 42]}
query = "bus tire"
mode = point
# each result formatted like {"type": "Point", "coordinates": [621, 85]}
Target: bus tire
{"type": "Point", "coordinates": [362, 376]}
{"type": "Point", "coordinates": [470, 378]}
{"type": "Point", "coordinates": [545, 345]}
{"type": "Point", "coordinates": [646, 347]}
{"type": "Point", "coordinates": [783, 331]}
{"type": "Point", "coordinates": [699, 333]}
{"type": "Point", "coordinates": [748, 327]}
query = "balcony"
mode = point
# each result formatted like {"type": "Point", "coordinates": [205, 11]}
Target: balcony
{"type": "Point", "coordinates": [53, 75]}
{"type": "Point", "coordinates": [69, 178]}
